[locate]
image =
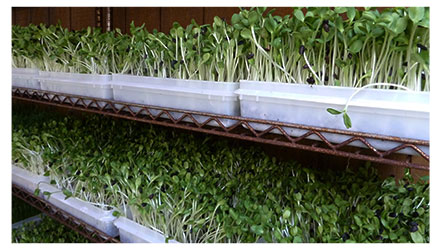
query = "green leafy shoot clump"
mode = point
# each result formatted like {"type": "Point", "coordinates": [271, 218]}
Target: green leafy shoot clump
{"type": "Point", "coordinates": [197, 188]}
{"type": "Point", "coordinates": [340, 46]}
{"type": "Point", "coordinates": [46, 231]}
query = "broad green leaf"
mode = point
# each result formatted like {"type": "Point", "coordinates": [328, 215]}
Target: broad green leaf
{"type": "Point", "coordinates": [277, 43]}
{"type": "Point", "coordinates": [359, 28]}
{"type": "Point", "coordinates": [407, 202]}
{"type": "Point", "coordinates": [298, 13]}
{"type": "Point", "coordinates": [320, 229]}
{"type": "Point", "coordinates": [400, 25]}
{"type": "Point", "coordinates": [417, 237]}
{"type": "Point", "coordinates": [426, 20]}
{"type": "Point", "coordinates": [286, 214]}
{"type": "Point", "coordinates": [257, 229]}
{"type": "Point", "coordinates": [138, 181]}
{"type": "Point", "coordinates": [245, 22]}
{"type": "Point", "coordinates": [217, 21]}
{"type": "Point", "coordinates": [377, 31]}
{"type": "Point", "coordinates": [393, 236]}
{"type": "Point", "coordinates": [318, 210]}
{"type": "Point", "coordinates": [269, 26]}
{"type": "Point", "coordinates": [347, 120]}
{"type": "Point", "coordinates": [67, 193]}
{"type": "Point", "coordinates": [385, 223]}
{"type": "Point", "coordinates": [206, 57]}
{"type": "Point", "coordinates": [309, 14]}
{"type": "Point", "coordinates": [358, 221]}
{"type": "Point", "coordinates": [175, 179]}
{"type": "Point", "coordinates": [369, 15]}
{"type": "Point", "coordinates": [416, 14]}
{"type": "Point", "coordinates": [180, 32]}
{"type": "Point", "coordinates": [422, 57]}
{"type": "Point", "coordinates": [260, 10]}
{"type": "Point", "coordinates": [402, 190]}
{"type": "Point", "coordinates": [369, 227]}
{"type": "Point", "coordinates": [351, 13]}
{"type": "Point", "coordinates": [37, 192]}
{"type": "Point", "coordinates": [334, 111]}
{"type": "Point", "coordinates": [297, 239]}
{"type": "Point", "coordinates": [238, 26]}
{"type": "Point", "coordinates": [253, 17]}
{"type": "Point", "coordinates": [340, 10]}
{"type": "Point", "coordinates": [339, 24]}
{"type": "Point", "coordinates": [246, 33]}
{"type": "Point", "coordinates": [356, 46]}
{"type": "Point", "coordinates": [235, 18]}
{"type": "Point", "coordinates": [233, 214]}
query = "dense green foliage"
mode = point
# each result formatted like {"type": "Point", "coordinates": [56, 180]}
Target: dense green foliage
{"type": "Point", "coordinates": [46, 231]}
{"type": "Point", "coordinates": [196, 188]}
{"type": "Point", "coordinates": [21, 210]}
{"type": "Point", "coordinates": [317, 46]}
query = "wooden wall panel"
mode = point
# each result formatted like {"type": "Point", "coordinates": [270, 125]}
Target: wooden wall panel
{"type": "Point", "coordinates": [39, 15]}
{"type": "Point", "coordinates": [82, 17]}
{"type": "Point", "coordinates": [161, 18]}
{"type": "Point", "coordinates": [183, 15]}
{"type": "Point", "coordinates": [22, 16]}
{"type": "Point", "coordinates": [281, 11]}
{"type": "Point", "coordinates": [222, 12]}
{"type": "Point", "coordinates": [119, 18]}
{"type": "Point", "coordinates": [61, 14]}
{"type": "Point", "coordinates": [151, 16]}
{"type": "Point", "coordinates": [13, 16]}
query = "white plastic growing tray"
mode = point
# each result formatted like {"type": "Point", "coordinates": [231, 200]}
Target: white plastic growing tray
{"type": "Point", "coordinates": [132, 232]}
{"type": "Point", "coordinates": [26, 179]}
{"type": "Point", "coordinates": [94, 216]}
{"type": "Point", "coordinates": [385, 112]}
{"type": "Point", "coordinates": [78, 84]}
{"type": "Point", "coordinates": [25, 78]}
{"type": "Point", "coordinates": [202, 96]}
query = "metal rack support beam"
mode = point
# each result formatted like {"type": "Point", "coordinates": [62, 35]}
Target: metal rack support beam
{"type": "Point", "coordinates": [242, 128]}
{"type": "Point", "coordinates": [64, 218]}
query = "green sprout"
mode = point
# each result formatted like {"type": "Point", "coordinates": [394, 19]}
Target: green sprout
{"type": "Point", "coordinates": [346, 118]}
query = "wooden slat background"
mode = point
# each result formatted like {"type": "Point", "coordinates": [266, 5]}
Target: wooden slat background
{"type": "Point", "coordinates": [160, 18]}
{"type": "Point", "coordinates": [60, 14]}
{"type": "Point", "coordinates": [82, 17]}
{"type": "Point", "coordinates": [183, 15]}
{"type": "Point", "coordinates": [39, 15]}
{"type": "Point", "coordinates": [150, 16]}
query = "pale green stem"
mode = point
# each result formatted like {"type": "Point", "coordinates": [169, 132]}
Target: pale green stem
{"type": "Point", "coordinates": [266, 54]}
{"type": "Point", "coordinates": [371, 85]}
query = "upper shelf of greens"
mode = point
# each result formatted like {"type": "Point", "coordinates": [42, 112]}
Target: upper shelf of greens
{"type": "Point", "coordinates": [338, 47]}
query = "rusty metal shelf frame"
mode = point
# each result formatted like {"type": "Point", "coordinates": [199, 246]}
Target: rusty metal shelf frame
{"type": "Point", "coordinates": [237, 130]}
{"type": "Point", "coordinates": [91, 233]}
